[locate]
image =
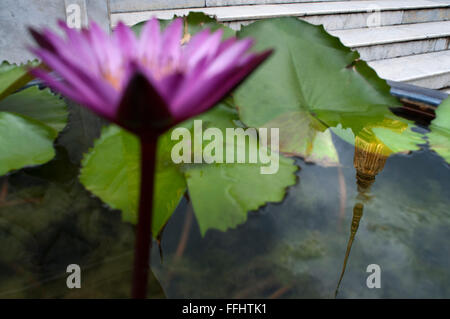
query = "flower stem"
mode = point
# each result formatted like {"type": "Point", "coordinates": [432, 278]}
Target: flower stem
{"type": "Point", "coordinates": [144, 226]}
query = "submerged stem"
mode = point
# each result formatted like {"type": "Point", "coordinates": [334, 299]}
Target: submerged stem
{"type": "Point", "coordinates": [144, 225]}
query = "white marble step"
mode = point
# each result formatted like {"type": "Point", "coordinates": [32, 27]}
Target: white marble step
{"type": "Point", "coordinates": [219, 3]}
{"type": "Point", "coordinates": [143, 5]}
{"type": "Point", "coordinates": [431, 70]}
{"type": "Point", "coordinates": [396, 41]}
{"type": "Point", "coordinates": [333, 15]}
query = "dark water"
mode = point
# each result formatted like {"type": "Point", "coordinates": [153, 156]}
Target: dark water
{"type": "Point", "coordinates": [294, 249]}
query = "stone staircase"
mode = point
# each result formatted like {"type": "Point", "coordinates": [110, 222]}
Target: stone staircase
{"type": "Point", "coordinates": [403, 40]}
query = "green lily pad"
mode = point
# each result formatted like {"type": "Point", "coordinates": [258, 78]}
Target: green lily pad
{"type": "Point", "coordinates": [221, 194]}
{"type": "Point", "coordinates": [41, 105]}
{"type": "Point", "coordinates": [111, 171]}
{"type": "Point", "coordinates": [399, 142]}
{"type": "Point", "coordinates": [23, 142]}
{"type": "Point", "coordinates": [311, 82]}
{"type": "Point", "coordinates": [30, 121]}
{"type": "Point", "coordinates": [439, 137]}
{"type": "Point", "coordinates": [13, 77]}
{"type": "Point", "coordinates": [394, 133]}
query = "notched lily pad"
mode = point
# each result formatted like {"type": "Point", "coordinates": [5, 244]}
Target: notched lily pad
{"type": "Point", "coordinates": [221, 194]}
{"type": "Point", "coordinates": [311, 83]}
{"type": "Point", "coordinates": [23, 142]}
{"type": "Point", "coordinates": [13, 77]}
{"type": "Point", "coordinates": [30, 121]}
{"type": "Point", "coordinates": [395, 135]}
{"type": "Point", "coordinates": [41, 105]}
{"type": "Point", "coordinates": [111, 172]}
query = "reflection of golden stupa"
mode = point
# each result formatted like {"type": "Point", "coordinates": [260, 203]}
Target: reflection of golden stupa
{"type": "Point", "coordinates": [370, 156]}
{"type": "Point", "coordinates": [357, 215]}
{"type": "Point", "coordinates": [369, 160]}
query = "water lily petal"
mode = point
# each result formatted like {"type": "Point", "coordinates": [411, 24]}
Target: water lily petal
{"type": "Point", "coordinates": [86, 85]}
{"type": "Point", "coordinates": [170, 84]}
{"type": "Point", "coordinates": [126, 40]}
{"type": "Point", "coordinates": [171, 46]}
{"type": "Point", "coordinates": [68, 91]}
{"type": "Point", "coordinates": [78, 43]}
{"type": "Point", "coordinates": [226, 44]}
{"type": "Point", "coordinates": [150, 42]}
{"type": "Point", "coordinates": [228, 57]}
{"type": "Point", "coordinates": [108, 53]}
{"type": "Point", "coordinates": [199, 98]}
{"type": "Point", "coordinates": [65, 51]}
{"type": "Point", "coordinates": [203, 46]}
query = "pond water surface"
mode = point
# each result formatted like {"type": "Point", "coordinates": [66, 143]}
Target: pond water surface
{"type": "Point", "coordinates": [293, 249]}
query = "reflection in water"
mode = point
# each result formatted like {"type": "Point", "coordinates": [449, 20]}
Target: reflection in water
{"type": "Point", "coordinates": [369, 159]}
{"type": "Point", "coordinates": [357, 214]}
{"type": "Point", "coordinates": [48, 220]}
{"type": "Point", "coordinates": [295, 249]}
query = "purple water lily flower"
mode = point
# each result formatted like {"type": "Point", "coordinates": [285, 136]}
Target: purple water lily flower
{"type": "Point", "coordinates": [145, 85]}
